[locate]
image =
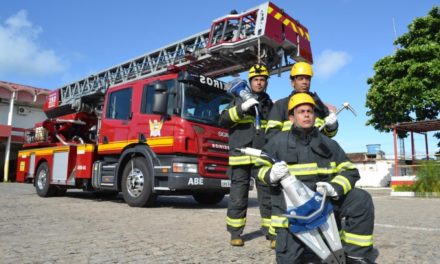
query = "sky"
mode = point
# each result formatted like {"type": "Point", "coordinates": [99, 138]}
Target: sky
{"type": "Point", "coordinates": [50, 43]}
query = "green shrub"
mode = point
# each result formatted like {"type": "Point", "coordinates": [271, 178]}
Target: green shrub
{"type": "Point", "coordinates": [403, 188]}
{"type": "Point", "coordinates": [428, 177]}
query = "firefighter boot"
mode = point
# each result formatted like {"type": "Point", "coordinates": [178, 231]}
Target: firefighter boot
{"type": "Point", "coordinates": [273, 244]}
{"type": "Point", "coordinates": [272, 239]}
{"type": "Point", "coordinates": [237, 242]}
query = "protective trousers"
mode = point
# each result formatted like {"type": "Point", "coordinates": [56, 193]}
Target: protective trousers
{"type": "Point", "coordinates": [355, 217]}
{"type": "Point", "coordinates": [263, 193]}
{"type": "Point", "coordinates": [238, 201]}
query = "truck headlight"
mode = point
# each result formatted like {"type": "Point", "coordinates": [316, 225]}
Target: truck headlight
{"type": "Point", "coordinates": [185, 167]}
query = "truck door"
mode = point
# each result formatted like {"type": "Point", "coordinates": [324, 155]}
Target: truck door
{"type": "Point", "coordinates": [156, 131]}
{"type": "Point", "coordinates": [115, 123]}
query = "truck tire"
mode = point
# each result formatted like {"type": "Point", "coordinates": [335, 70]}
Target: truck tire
{"type": "Point", "coordinates": [42, 181]}
{"type": "Point", "coordinates": [208, 198]}
{"type": "Point", "coordinates": [137, 183]}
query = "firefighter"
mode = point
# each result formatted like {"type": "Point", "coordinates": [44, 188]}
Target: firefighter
{"type": "Point", "coordinates": [300, 77]}
{"type": "Point", "coordinates": [320, 163]}
{"type": "Point", "coordinates": [239, 117]}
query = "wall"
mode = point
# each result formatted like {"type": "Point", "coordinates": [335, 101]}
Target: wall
{"type": "Point", "coordinates": [30, 116]}
{"type": "Point", "coordinates": [26, 119]}
{"type": "Point", "coordinates": [375, 173]}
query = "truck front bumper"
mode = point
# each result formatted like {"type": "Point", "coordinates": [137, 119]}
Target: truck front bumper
{"type": "Point", "coordinates": [165, 180]}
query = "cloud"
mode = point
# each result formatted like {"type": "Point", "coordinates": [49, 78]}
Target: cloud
{"type": "Point", "coordinates": [20, 52]}
{"type": "Point", "coordinates": [329, 62]}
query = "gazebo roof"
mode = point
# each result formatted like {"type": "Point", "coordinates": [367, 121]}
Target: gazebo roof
{"type": "Point", "coordinates": [419, 126]}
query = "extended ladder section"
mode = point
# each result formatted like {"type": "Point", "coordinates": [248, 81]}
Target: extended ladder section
{"type": "Point", "coordinates": [264, 34]}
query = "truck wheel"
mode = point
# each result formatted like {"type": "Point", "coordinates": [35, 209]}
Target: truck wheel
{"type": "Point", "coordinates": [208, 198]}
{"type": "Point", "coordinates": [137, 182]}
{"type": "Point", "coordinates": [42, 181]}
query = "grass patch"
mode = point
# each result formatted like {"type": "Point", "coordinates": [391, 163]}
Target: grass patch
{"type": "Point", "coordinates": [427, 178]}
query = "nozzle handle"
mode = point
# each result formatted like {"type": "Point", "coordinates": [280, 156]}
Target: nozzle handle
{"type": "Point", "coordinates": [257, 120]}
{"type": "Point", "coordinates": [257, 153]}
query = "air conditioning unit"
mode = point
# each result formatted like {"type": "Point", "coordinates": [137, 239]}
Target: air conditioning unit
{"type": "Point", "coordinates": [21, 110]}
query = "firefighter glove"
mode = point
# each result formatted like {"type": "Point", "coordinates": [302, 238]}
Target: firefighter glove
{"type": "Point", "coordinates": [331, 121]}
{"type": "Point", "coordinates": [321, 187]}
{"type": "Point", "coordinates": [248, 104]}
{"type": "Point", "coordinates": [279, 171]}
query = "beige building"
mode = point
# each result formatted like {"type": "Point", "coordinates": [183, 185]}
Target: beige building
{"type": "Point", "coordinates": [21, 107]}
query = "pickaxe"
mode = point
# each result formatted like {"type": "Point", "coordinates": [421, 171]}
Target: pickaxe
{"type": "Point", "coordinates": [345, 105]}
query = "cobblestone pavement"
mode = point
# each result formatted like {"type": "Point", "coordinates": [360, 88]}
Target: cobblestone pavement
{"type": "Point", "coordinates": [83, 228]}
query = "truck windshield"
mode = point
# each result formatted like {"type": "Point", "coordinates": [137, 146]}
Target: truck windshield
{"type": "Point", "coordinates": [204, 105]}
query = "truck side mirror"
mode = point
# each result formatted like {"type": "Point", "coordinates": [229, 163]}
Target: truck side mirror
{"type": "Point", "coordinates": [160, 104]}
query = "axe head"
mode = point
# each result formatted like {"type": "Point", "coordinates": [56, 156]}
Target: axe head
{"type": "Point", "coordinates": [347, 106]}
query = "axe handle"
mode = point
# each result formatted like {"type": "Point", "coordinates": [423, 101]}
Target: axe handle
{"type": "Point", "coordinates": [337, 113]}
{"type": "Point", "coordinates": [339, 110]}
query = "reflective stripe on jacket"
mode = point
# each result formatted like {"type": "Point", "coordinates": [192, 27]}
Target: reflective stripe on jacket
{"type": "Point", "coordinates": [242, 130]}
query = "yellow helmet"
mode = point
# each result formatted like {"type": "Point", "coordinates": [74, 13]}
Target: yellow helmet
{"type": "Point", "coordinates": [299, 99]}
{"type": "Point", "coordinates": [258, 70]}
{"type": "Point", "coordinates": [301, 68]}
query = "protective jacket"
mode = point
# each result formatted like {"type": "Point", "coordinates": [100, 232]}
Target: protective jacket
{"type": "Point", "coordinates": [279, 119]}
{"type": "Point", "coordinates": [313, 157]}
{"type": "Point", "coordinates": [242, 131]}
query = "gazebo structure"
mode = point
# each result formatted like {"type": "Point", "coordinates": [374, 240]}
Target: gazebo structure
{"type": "Point", "coordinates": [421, 127]}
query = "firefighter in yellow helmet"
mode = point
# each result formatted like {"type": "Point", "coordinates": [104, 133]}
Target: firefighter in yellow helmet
{"type": "Point", "coordinates": [239, 117]}
{"type": "Point", "coordinates": [301, 75]}
{"type": "Point", "coordinates": [321, 164]}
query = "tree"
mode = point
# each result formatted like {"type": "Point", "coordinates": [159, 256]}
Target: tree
{"type": "Point", "coordinates": [406, 85]}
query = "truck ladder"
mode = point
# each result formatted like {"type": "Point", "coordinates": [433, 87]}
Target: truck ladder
{"type": "Point", "coordinates": [264, 34]}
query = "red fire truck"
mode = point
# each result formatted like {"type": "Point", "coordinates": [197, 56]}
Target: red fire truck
{"type": "Point", "coordinates": [148, 126]}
